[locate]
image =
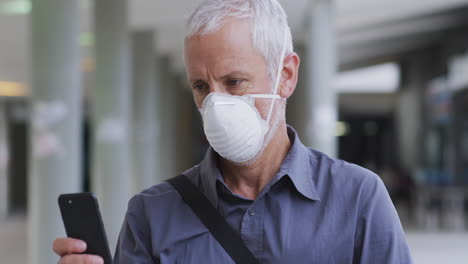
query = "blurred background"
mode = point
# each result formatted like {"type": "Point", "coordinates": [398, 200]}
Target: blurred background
{"type": "Point", "coordinates": [93, 97]}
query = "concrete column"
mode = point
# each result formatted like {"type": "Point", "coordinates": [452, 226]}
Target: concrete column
{"type": "Point", "coordinates": [110, 114]}
{"type": "Point", "coordinates": [4, 157]}
{"type": "Point", "coordinates": [411, 113]}
{"type": "Point", "coordinates": [168, 110]}
{"type": "Point", "coordinates": [409, 124]}
{"type": "Point", "coordinates": [320, 109]}
{"type": "Point", "coordinates": [55, 100]}
{"type": "Point", "coordinates": [414, 131]}
{"type": "Point", "coordinates": [146, 115]}
{"type": "Point", "coordinates": [160, 117]}
{"type": "Point", "coordinates": [185, 127]}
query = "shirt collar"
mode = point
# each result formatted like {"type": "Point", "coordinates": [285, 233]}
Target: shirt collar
{"type": "Point", "coordinates": [296, 166]}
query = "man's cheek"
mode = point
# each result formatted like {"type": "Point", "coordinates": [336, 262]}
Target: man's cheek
{"type": "Point", "coordinates": [263, 106]}
{"type": "Point", "coordinates": [198, 101]}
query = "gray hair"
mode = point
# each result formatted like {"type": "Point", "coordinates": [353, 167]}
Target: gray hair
{"type": "Point", "coordinates": [268, 28]}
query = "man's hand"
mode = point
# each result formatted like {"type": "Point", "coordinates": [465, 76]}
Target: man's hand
{"type": "Point", "coordinates": [68, 249]}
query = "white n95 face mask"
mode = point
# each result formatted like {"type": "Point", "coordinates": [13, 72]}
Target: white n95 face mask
{"type": "Point", "coordinates": [233, 125]}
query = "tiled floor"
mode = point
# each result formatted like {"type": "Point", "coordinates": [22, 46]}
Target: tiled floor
{"type": "Point", "coordinates": [427, 248]}
{"type": "Point", "coordinates": [442, 248]}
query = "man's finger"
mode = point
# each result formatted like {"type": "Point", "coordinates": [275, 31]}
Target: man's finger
{"type": "Point", "coordinates": [81, 259]}
{"type": "Point", "coordinates": [65, 246]}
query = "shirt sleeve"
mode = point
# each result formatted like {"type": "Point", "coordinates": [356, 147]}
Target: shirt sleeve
{"type": "Point", "coordinates": [379, 236]}
{"type": "Point", "coordinates": [134, 245]}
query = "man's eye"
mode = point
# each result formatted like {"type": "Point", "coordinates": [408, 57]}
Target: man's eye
{"type": "Point", "coordinates": [199, 87]}
{"type": "Point", "coordinates": [234, 82]}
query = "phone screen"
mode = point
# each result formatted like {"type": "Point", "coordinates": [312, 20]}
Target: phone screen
{"type": "Point", "coordinates": [82, 220]}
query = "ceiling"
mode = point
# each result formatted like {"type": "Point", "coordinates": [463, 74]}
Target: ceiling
{"type": "Point", "coordinates": [362, 27]}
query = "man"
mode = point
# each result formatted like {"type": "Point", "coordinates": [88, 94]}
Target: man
{"type": "Point", "coordinates": [289, 203]}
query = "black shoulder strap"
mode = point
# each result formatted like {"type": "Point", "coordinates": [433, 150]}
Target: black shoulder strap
{"type": "Point", "coordinates": [229, 239]}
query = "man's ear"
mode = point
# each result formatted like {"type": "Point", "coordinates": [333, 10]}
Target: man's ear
{"type": "Point", "coordinates": [289, 75]}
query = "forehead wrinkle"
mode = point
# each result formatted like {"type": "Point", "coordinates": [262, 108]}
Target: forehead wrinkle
{"type": "Point", "coordinates": [223, 51]}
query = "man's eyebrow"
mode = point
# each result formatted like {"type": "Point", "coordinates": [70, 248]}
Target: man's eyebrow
{"type": "Point", "coordinates": [234, 74]}
{"type": "Point", "coordinates": [193, 81]}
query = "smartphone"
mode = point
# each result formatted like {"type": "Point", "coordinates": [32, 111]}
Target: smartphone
{"type": "Point", "coordinates": [82, 220]}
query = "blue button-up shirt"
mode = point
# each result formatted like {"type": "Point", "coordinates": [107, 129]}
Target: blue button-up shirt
{"type": "Point", "coordinates": [315, 210]}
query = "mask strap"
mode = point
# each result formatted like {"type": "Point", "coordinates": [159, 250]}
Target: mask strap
{"type": "Point", "coordinates": [278, 77]}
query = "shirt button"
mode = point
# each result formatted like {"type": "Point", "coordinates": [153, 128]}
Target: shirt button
{"type": "Point", "coordinates": [252, 212]}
